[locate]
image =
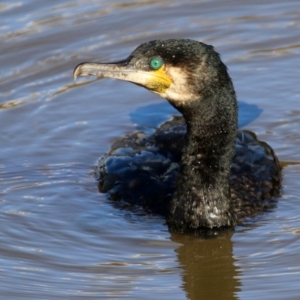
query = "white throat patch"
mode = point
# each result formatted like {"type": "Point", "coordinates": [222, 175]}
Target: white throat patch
{"type": "Point", "coordinates": [178, 91]}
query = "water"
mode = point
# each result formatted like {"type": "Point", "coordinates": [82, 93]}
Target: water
{"type": "Point", "coordinates": [59, 237]}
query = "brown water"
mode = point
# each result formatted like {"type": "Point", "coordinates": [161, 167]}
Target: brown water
{"type": "Point", "coordinates": [60, 238]}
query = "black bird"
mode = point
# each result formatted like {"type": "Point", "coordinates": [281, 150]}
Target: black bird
{"type": "Point", "coordinates": [201, 173]}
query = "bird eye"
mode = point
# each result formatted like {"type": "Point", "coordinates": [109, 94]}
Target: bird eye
{"type": "Point", "coordinates": [156, 62]}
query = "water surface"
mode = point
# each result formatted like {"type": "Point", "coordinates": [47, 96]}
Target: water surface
{"type": "Point", "coordinates": [61, 238]}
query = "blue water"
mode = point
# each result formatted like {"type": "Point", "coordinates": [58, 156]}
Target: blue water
{"type": "Point", "coordinates": [61, 238]}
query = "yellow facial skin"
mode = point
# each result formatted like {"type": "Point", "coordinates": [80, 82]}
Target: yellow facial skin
{"type": "Point", "coordinates": [159, 82]}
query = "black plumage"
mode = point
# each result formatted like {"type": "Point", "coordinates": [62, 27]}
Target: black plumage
{"type": "Point", "coordinates": [201, 173]}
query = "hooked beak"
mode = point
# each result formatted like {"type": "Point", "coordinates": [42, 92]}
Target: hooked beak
{"type": "Point", "coordinates": [156, 81]}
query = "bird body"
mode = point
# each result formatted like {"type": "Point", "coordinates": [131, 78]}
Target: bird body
{"type": "Point", "coordinates": [200, 172]}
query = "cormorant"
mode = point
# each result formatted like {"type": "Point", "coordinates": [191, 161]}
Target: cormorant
{"type": "Point", "coordinates": [201, 173]}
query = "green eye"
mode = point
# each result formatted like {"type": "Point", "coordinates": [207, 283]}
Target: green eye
{"type": "Point", "coordinates": [156, 63]}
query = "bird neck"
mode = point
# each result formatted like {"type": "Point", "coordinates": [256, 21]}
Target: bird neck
{"type": "Point", "coordinates": [202, 195]}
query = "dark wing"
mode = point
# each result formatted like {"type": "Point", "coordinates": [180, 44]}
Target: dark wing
{"type": "Point", "coordinates": [142, 170]}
